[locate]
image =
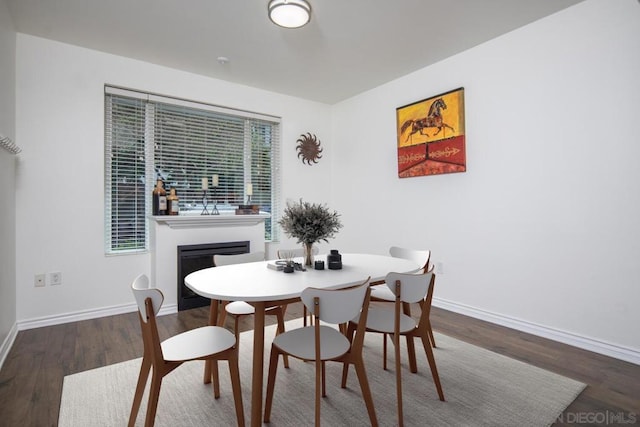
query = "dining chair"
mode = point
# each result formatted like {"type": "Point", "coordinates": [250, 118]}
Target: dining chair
{"type": "Point", "coordinates": [237, 309]}
{"type": "Point", "coordinates": [407, 288]}
{"type": "Point", "coordinates": [380, 292]}
{"type": "Point", "coordinates": [205, 343]}
{"type": "Point", "coordinates": [286, 254]}
{"type": "Point", "coordinates": [322, 342]}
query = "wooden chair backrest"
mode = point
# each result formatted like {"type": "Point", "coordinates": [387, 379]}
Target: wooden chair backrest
{"type": "Point", "coordinates": [339, 306]}
{"type": "Point", "coordinates": [149, 301]}
{"type": "Point", "coordinates": [419, 256]}
{"type": "Point", "coordinates": [336, 305]}
{"type": "Point", "coordinates": [142, 291]}
{"type": "Point", "coordinates": [412, 287]}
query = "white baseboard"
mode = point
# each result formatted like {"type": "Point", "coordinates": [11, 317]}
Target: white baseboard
{"type": "Point", "coordinates": [590, 344]}
{"type": "Point", "coordinates": [8, 343]}
{"type": "Point", "coordinates": [59, 319]}
{"type": "Point", "coordinates": [619, 352]}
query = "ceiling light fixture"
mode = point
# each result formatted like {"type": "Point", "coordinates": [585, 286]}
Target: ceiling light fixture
{"type": "Point", "coordinates": [289, 13]}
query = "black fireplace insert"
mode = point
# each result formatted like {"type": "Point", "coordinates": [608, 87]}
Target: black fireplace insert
{"type": "Point", "coordinates": [196, 257]}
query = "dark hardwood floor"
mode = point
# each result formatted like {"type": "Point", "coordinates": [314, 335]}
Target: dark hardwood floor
{"type": "Point", "coordinates": [31, 378]}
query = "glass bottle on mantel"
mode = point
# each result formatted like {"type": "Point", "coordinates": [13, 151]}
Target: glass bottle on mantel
{"type": "Point", "coordinates": [159, 199]}
{"type": "Point", "coordinates": [173, 207]}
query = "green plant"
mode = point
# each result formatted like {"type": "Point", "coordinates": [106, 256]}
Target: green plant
{"type": "Point", "coordinates": [309, 222]}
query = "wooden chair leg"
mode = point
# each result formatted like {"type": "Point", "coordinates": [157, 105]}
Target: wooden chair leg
{"type": "Point", "coordinates": [271, 383]}
{"type": "Point", "coordinates": [319, 388]}
{"type": "Point", "coordinates": [396, 340]}
{"type": "Point", "coordinates": [208, 372]}
{"type": "Point", "coordinates": [411, 352]}
{"type": "Point", "coordinates": [137, 398]}
{"type": "Point", "coordinates": [223, 313]}
{"type": "Point", "coordinates": [324, 380]}
{"type": "Point", "coordinates": [154, 395]}
{"type": "Point", "coordinates": [236, 329]}
{"type": "Point", "coordinates": [280, 330]}
{"type": "Point", "coordinates": [384, 351]}
{"type": "Point", "coordinates": [213, 321]}
{"type": "Point", "coordinates": [411, 348]}
{"type": "Point", "coordinates": [432, 364]}
{"type": "Point", "coordinates": [215, 378]}
{"type": "Point", "coordinates": [345, 367]}
{"type": "Point", "coordinates": [366, 391]}
{"type": "Point", "coordinates": [431, 338]}
{"type": "Point", "coordinates": [234, 372]}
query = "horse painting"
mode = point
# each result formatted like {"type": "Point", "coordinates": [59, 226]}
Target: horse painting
{"type": "Point", "coordinates": [433, 120]}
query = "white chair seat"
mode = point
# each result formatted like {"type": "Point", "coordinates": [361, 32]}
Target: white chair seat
{"type": "Point", "coordinates": [382, 292]}
{"type": "Point", "coordinates": [241, 308]}
{"type": "Point", "coordinates": [197, 343]}
{"type": "Point", "coordinates": [381, 320]}
{"type": "Point", "coordinates": [300, 343]}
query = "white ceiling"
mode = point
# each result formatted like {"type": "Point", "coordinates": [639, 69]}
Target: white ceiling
{"type": "Point", "coordinates": [349, 46]}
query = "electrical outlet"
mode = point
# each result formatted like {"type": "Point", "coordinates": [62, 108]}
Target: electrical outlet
{"type": "Point", "coordinates": [38, 280]}
{"type": "Point", "coordinates": [54, 278]}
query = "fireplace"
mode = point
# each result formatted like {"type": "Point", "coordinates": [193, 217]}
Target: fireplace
{"type": "Point", "coordinates": [196, 257]}
{"type": "Point", "coordinates": [168, 232]}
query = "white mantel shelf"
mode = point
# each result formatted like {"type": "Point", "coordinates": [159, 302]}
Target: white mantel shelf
{"type": "Point", "coordinates": [225, 219]}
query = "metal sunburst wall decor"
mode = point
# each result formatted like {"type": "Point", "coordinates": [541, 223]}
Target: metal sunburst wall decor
{"type": "Point", "coordinates": [309, 148]}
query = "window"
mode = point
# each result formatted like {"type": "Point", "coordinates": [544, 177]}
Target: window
{"type": "Point", "coordinates": [149, 136]}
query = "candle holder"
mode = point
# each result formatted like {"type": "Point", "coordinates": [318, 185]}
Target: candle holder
{"type": "Point", "coordinates": [248, 199]}
{"type": "Point", "coordinates": [204, 203]}
{"type": "Point", "coordinates": [214, 211]}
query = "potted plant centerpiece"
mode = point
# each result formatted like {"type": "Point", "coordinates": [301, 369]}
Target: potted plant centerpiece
{"type": "Point", "coordinates": [309, 223]}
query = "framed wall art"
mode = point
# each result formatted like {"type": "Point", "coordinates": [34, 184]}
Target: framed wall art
{"type": "Point", "coordinates": [431, 135]}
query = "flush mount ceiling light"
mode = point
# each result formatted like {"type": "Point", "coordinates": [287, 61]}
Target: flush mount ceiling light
{"type": "Point", "coordinates": [289, 13]}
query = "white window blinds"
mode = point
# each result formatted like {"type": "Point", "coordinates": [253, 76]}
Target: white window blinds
{"type": "Point", "coordinates": [125, 175]}
{"type": "Point", "coordinates": [148, 136]}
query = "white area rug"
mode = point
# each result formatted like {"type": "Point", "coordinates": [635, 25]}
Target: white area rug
{"type": "Point", "coordinates": [482, 388]}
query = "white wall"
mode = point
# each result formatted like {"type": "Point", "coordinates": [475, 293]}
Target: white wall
{"type": "Point", "coordinates": [7, 177]}
{"type": "Point", "coordinates": [543, 229]}
{"type": "Point", "coordinates": [60, 187]}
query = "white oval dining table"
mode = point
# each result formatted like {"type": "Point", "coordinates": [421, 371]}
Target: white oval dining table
{"type": "Point", "coordinates": [264, 287]}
